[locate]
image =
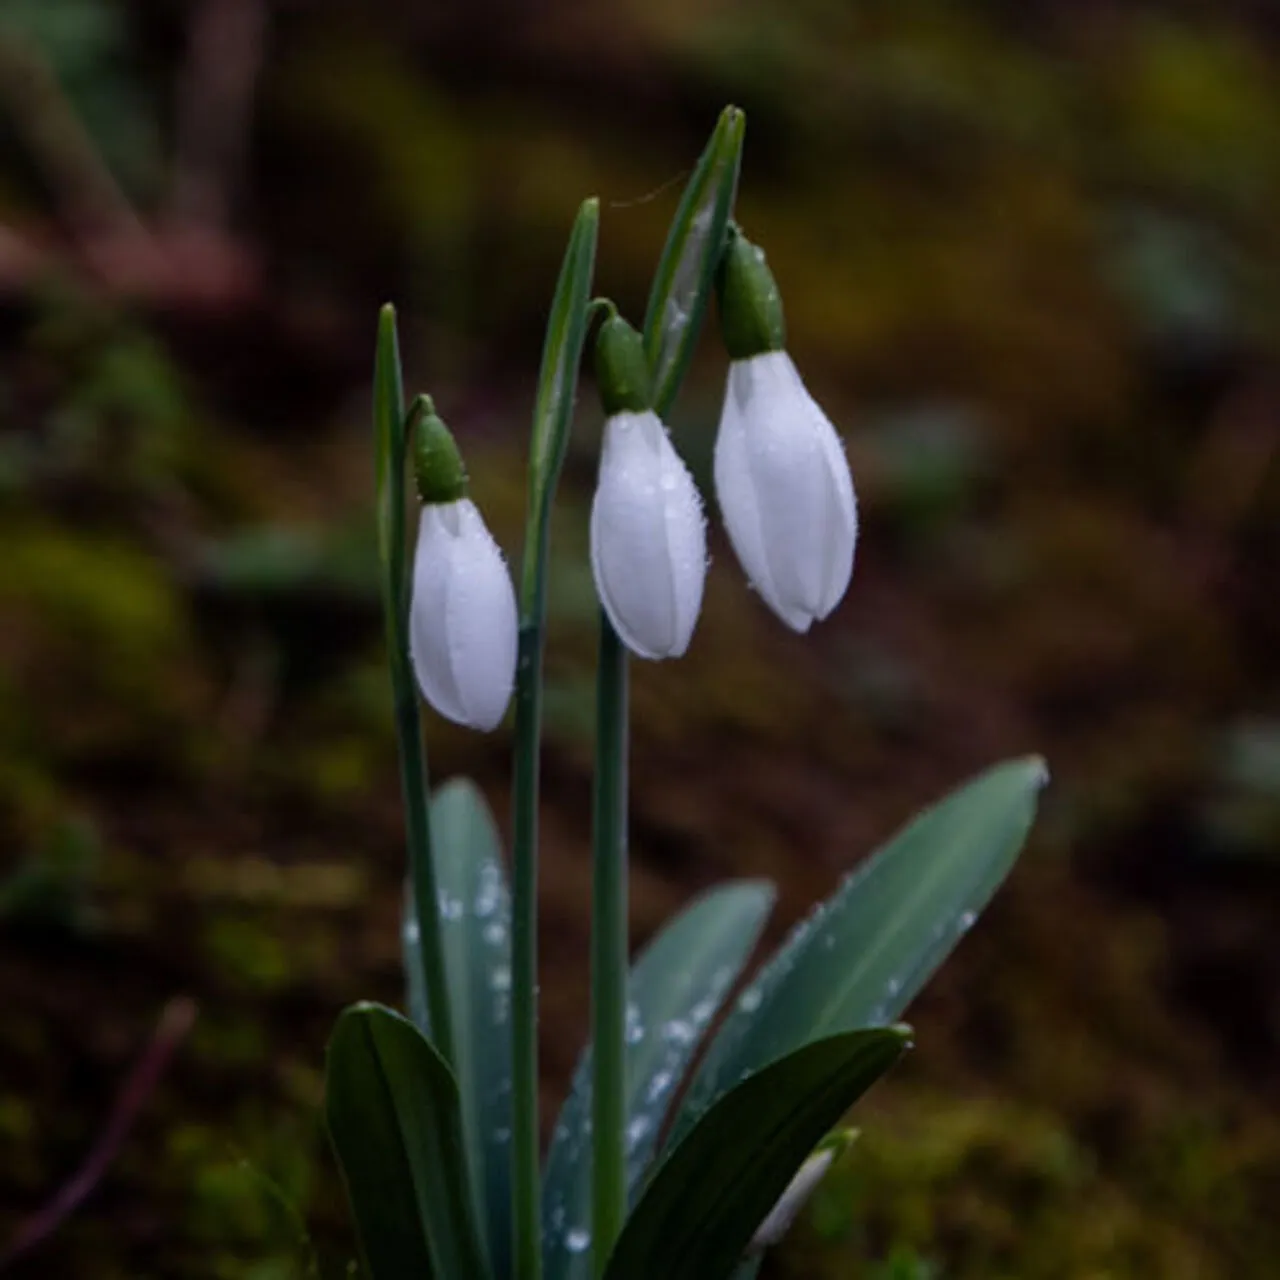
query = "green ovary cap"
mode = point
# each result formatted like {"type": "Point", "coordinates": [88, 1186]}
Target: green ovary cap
{"type": "Point", "coordinates": [750, 306]}
{"type": "Point", "coordinates": [437, 464]}
{"type": "Point", "coordinates": [622, 372]}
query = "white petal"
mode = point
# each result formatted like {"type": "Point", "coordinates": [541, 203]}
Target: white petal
{"type": "Point", "coordinates": [739, 498]}
{"type": "Point", "coordinates": [462, 620]}
{"type": "Point", "coordinates": [648, 538]}
{"type": "Point", "coordinates": [481, 626]}
{"type": "Point", "coordinates": [785, 490]}
{"type": "Point", "coordinates": [836, 511]}
{"type": "Point", "coordinates": [428, 644]}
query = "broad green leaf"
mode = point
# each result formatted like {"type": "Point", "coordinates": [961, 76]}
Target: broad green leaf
{"type": "Point", "coordinates": [475, 921]}
{"type": "Point", "coordinates": [698, 1212]}
{"type": "Point", "coordinates": [562, 355]}
{"type": "Point", "coordinates": [392, 1108]}
{"type": "Point", "coordinates": [865, 953]}
{"type": "Point", "coordinates": [686, 270]}
{"type": "Point", "coordinates": [675, 989]}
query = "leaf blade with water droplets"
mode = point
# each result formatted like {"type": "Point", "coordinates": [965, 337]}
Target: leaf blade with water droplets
{"type": "Point", "coordinates": [675, 989]}
{"type": "Point", "coordinates": [475, 924]}
{"type": "Point", "coordinates": [866, 952]}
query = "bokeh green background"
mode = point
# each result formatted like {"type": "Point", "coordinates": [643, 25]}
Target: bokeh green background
{"type": "Point", "coordinates": [1030, 255]}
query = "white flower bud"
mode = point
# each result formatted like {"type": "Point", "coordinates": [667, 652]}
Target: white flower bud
{"type": "Point", "coordinates": [462, 619]}
{"type": "Point", "coordinates": [793, 1199]}
{"type": "Point", "coordinates": [785, 493]}
{"type": "Point", "coordinates": [648, 537]}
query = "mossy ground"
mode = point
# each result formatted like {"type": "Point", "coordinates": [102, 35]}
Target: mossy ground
{"type": "Point", "coordinates": [1033, 265]}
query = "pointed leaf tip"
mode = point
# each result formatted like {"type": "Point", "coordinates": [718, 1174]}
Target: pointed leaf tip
{"type": "Point", "coordinates": [1040, 768]}
{"type": "Point", "coordinates": [866, 953]}
{"type": "Point", "coordinates": [561, 356]}
{"type": "Point", "coordinates": [392, 1109]}
{"type": "Point", "coordinates": [682, 283]}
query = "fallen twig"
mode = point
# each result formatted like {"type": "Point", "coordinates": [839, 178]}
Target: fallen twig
{"type": "Point", "coordinates": [175, 1022]}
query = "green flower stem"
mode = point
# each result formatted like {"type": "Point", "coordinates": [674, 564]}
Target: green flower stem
{"type": "Point", "coordinates": [552, 418]}
{"type": "Point", "coordinates": [526, 1175]}
{"type": "Point", "coordinates": [390, 439]}
{"type": "Point", "coordinates": [609, 949]}
{"type": "Point", "coordinates": [422, 871]}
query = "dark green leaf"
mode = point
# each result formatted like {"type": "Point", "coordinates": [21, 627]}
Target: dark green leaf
{"type": "Point", "coordinates": [675, 989]}
{"type": "Point", "coordinates": [686, 270]}
{"type": "Point", "coordinates": [475, 916]}
{"type": "Point", "coordinates": [696, 1216]}
{"type": "Point", "coordinates": [562, 355]}
{"type": "Point", "coordinates": [392, 1108]}
{"type": "Point", "coordinates": [863, 955]}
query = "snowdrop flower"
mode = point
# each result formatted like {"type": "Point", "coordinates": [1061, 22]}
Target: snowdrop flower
{"type": "Point", "coordinates": [462, 616]}
{"type": "Point", "coordinates": [782, 479]}
{"type": "Point", "coordinates": [648, 534]}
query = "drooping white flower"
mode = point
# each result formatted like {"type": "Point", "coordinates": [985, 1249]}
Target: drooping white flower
{"type": "Point", "coordinates": [648, 537]}
{"type": "Point", "coordinates": [784, 489]}
{"type": "Point", "coordinates": [462, 617]}
{"type": "Point", "coordinates": [782, 479]}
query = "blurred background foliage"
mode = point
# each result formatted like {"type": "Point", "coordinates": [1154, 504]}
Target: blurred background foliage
{"type": "Point", "coordinates": [1031, 262]}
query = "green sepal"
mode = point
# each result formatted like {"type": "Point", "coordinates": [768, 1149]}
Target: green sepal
{"type": "Point", "coordinates": [438, 468]}
{"type": "Point", "coordinates": [751, 321]}
{"type": "Point", "coordinates": [622, 370]}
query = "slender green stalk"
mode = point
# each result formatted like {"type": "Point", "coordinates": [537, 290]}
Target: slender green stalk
{"type": "Point", "coordinates": [609, 950]}
{"type": "Point", "coordinates": [390, 441]}
{"type": "Point", "coordinates": [422, 872]}
{"type": "Point", "coordinates": [552, 418]}
{"type": "Point", "coordinates": [526, 1174]}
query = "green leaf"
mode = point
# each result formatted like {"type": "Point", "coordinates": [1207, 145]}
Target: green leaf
{"type": "Point", "coordinates": [392, 1107]}
{"type": "Point", "coordinates": [675, 989]}
{"type": "Point", "coordinates": [686, 270]}
{"type": "Point", "coordinates": [552, 420]}
{"type": "Point", "coordinates": [388, 424]}
{"type": "Point", "coordinates": [863, 955]}
{"type": "Point", "coordinates": [475, 916]}
{"type": "Point", "coordinates": [562, 355]}
{"type": "Point", "coordinates": [706, 1199]}
{"type": "Point", "coordinates": [389, 456]}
